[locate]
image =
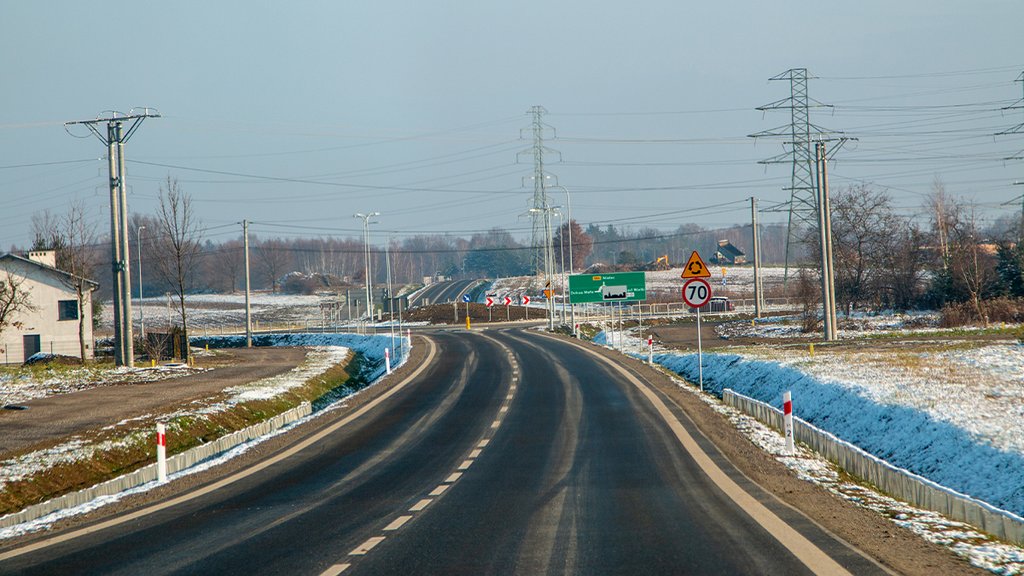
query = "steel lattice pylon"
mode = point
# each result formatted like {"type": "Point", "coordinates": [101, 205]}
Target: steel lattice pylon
{"type": "Point", "coordinates": [801, 134]}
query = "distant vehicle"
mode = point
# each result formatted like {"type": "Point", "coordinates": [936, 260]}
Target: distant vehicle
{"type": "Point", "coordinates": [717, 304]}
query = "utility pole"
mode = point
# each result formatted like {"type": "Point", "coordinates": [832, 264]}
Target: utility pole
{"type": "Point", "coordinates": [116, 136]}
{"type": "Point", "coordinates": [757, 256]}
{"type": "Point", "coordinates": [142, 319]}
{"type": "Point", "coordinates": [803, 206]}
{"type": "Point", "coordinates": [825, 237]}
{"type": "Point", "coordinates": [248, 309]}
{"type": "Point", "coordinates": [366, 257]}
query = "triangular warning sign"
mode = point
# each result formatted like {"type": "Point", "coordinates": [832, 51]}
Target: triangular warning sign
{"type": "Point", "coordinates": [695, 267]}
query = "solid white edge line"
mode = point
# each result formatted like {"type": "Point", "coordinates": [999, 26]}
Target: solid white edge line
{"type": "Point", "coordinates": [232, 478]}
{"type": "Point", "coordinates": [813, 557]}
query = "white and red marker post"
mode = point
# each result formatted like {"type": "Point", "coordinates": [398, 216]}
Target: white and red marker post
{"type": "Point", "coordinates": [787, 420]}
{"type": "Point", "coordinates": [508, 307]}
{"type": "Point", "coordinates": [650, 350]}
{"type": "Point", "coordinates": [526, 309]}
{"type": "Point", "coordinates": [161, 452]}
{"type": "Point", "coordinates": [387, 360]}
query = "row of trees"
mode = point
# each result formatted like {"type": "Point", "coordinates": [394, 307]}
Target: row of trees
{"type": "Point", "coordinates": [882, 259]}
{"type": "Point", "coordinates": [886, 260]}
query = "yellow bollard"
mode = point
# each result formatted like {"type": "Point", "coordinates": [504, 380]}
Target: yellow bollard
{"type": "Point", "coordinates": [152, 363]}
{"type": "Point", "coordinates": [467, 322]}
{"type": "Point", "coordinates": [812, 349]}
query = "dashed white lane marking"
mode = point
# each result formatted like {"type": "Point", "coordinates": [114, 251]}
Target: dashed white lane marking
{"type": "Point", "coordinates": [503, 409]}
{"type": "Point", "coordinates": [366, 546]}
{"type": "Point", "coordinates": [465, 464]}
{"type": "Point", "coordinates": [496, 423]}
{"type": "Point", "coordinates": [453, 477]}
{"type": "Point", "coordinates": [475, 453]}
{"type": "Point", "coordinates": [510, 396]}
{"type": "Point", "coordinates": [398, 523]}
{"type": "Point", "coordinates": [335, 570]}
{"type": "Point", "coordinates": [419, 506]}
{"type": "Point", "coordinates": [439, 490]}
{"type": "Point", "coordinates": [483, 443]}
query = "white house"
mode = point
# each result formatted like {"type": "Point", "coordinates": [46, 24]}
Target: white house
{"type": "Point", "coordinates": [52, 325]}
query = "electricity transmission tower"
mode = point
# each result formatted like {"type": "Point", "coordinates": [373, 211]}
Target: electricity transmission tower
{"type": "Point", "coordinates": [800, 135]}
{"type": "Point", "coordinates": [1018, 129]}
{"type": "Point", "coordinates": [541, 181]}
{"type": "Point", "coordinates": [116, 136]}
{"type": "Point", "coordinates": [542, 255]}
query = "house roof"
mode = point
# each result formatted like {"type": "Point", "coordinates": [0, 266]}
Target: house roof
{"type": "Point", "coordinates": [68, 275]}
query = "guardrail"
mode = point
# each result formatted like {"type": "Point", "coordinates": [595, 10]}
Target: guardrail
{"type": "Point", "coordinates": [897, 482]}
{"type": "Point", "coordinates": [146, 474]}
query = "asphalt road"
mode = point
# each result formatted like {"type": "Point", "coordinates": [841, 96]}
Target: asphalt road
{"type": "Point", "coordinates": [511, 453]}
{"type": "Point", "coordinates": [442, 292]}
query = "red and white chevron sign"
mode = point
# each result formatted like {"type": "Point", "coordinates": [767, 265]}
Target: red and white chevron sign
{"type": "Point", "coordinates": [489, 302]}
{"type": "Point", "coordinates": [508, 300]}
{"type": "Point", "coordinates": [526, 299]}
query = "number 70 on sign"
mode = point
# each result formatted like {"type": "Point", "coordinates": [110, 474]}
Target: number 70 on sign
{"type": "Point", "coordinates": [696, 292]}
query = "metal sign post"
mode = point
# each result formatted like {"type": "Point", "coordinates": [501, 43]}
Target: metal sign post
{"type": "Point", "coordinates": [697, 293]}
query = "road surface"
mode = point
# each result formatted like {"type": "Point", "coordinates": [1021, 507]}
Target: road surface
{"type": "Point", "coordinates": [442, 292]}
{"type": "Point", "coordinates": [509, 453]}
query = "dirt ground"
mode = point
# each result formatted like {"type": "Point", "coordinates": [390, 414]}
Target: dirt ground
{"type": "Point", "coordinates": [48, 420]}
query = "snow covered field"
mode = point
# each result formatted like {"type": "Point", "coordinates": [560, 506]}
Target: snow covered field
{"type": "Point", "coordinates": [209, 312]}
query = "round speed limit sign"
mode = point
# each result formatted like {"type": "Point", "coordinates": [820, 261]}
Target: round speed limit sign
{"type": "Point", "coordinates": [696, 292]}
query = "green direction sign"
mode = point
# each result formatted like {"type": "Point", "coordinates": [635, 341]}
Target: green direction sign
{"type": "Point", "coordinates": [613, 287]}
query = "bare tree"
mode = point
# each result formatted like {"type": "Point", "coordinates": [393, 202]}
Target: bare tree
{"type": "Point", "coordinates": [274, 258]}
{"type": "Point", "coordinates": [863, 225]}
{"type": "Point", "coordinates": [177, 243]}
{"type": "Point", "coordinates": [80, 257]}
{"type": "Point", "coordinates": [971, 262]}
{"type": "Point", "coordinates": [945, 212]}
{"type": "Point", "coordinates": [14, 299]}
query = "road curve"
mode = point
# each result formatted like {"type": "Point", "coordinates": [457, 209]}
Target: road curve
{"type": "Point", "coordinates": [512, 453]}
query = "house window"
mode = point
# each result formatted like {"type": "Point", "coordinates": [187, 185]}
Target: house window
{"type": "Point", "coordinates": [67, 310]}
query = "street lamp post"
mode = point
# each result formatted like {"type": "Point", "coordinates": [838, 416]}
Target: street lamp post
{"type": "Point", "coordinates": [568, 218]}
{"type": "Point", "coordinates": [366, 258]}
{"type": "Point", "coordinates": [549, 259]}
{"type": "Point", "coordinates": [142, 320]}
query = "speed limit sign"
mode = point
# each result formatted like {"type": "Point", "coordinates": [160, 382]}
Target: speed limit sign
{"type": "Point", "coordinates": [696, 292]}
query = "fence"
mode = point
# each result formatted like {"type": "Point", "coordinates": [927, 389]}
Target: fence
{"type": "Point", "coordinates": [897, 482]}
{"type": "Point", "coordinates": [175, 463]}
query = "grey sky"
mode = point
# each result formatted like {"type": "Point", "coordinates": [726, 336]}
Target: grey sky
{"type": "Point", "coordinates": [299, 114]}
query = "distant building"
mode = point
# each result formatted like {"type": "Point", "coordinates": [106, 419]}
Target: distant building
{"type": "Point", "coordinates": [728, 254]}
{"type": "Point", "coordinates": [52, 327]}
